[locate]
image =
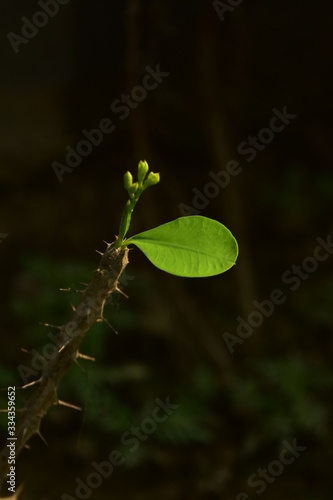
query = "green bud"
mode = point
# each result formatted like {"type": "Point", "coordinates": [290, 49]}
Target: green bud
{"type": "Point", "coordinates": [133, 189]}
{"type": "Point", "coordinates": [128, 180]}
{"type": "Point", "coordinates": [142, 171]}
{"type": "Point", "coordinates": [152, 179]}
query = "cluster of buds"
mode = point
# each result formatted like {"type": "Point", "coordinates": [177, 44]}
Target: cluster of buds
{"type": "Point", "coordinates": [134, 189]}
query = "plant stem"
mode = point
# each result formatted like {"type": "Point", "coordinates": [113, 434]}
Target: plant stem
{"type": "Point", "coordinates": [125, 220]}
{"type": "Point", "coordinates": [90, 309]}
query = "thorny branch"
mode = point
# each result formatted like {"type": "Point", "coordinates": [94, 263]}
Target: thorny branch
{"type": "Point", "coordinates": [90, 309]}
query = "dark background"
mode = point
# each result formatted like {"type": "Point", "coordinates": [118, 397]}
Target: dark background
{"type": "Point", "coordinates": [235, 410]}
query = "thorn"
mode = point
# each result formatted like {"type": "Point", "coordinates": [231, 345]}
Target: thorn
{"type": "Point", "coordinates": [16, 410]}
{"type": "Point", "coordinates": [42, 438]}
{"type": "Point", "coordinates": [30, 384]}
{"type": "Point", "coordinates": [108, 244]}
{"type": "Point", "coordinates": [84, 356]}
{"type": "Point", "coordinates": [107, 323]}
{"type": "Point", "coordinates": [69, 290]}
{"type": "Point", "coordinates": [121, 292]}
{"type": "Point", "coordinates": [74, 308]}
{"type": "Point", "coordinates": [80, 366]}
{"type": "Point", "coordinates": [69, 405]}
{"type": "Point", "coordinates": [100, 253]}
{"type": "Point", "coordinates": [84, 284]}
{"type": "Point", "coordinates": [63, 347]}
{"type": "Point", "coordinates": [23, 349]}
{"type": "Point", "coordinates": [51, 326]}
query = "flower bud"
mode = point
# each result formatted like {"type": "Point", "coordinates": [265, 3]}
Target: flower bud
{"type": "Point", "coordinates": [133, 189]}
{"type": "Point", "coordinates": [142, 171]}
{"type": "Point", "coordinates": [128, 180]}
{"type": "Point", "coordinates": [152, 179]}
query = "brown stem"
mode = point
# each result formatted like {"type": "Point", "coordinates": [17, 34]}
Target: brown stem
{"type": "Point", "coordinates": [89, 310]}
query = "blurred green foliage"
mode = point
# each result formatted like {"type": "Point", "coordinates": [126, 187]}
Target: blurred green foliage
{"type": "Point", "coordinates": [278, 399]}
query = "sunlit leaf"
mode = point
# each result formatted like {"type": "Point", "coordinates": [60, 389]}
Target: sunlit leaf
{"type": "Point", "coordinates": [193, 247]}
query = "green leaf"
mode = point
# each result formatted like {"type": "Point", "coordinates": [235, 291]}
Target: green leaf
{"type": "Point", "coordinates": [193, 247]}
